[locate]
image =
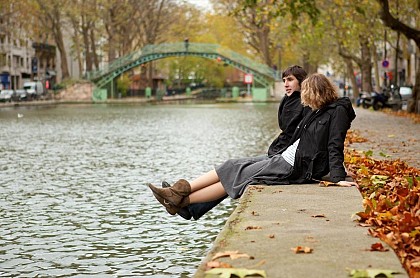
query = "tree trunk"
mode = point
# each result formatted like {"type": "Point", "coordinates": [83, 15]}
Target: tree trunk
{"type": "Point", "coordinates": [305, 63]}
{"type": "Point", "coordinates": [350, 74]}
{"type": "Point", "coordinates": [86, 43]}
{"type": "Point", "coordinates": [111, 31]}
{"type": "Point", "coordinates": [63, 56]}
{"type": "Point", "coordinates": [77, 47]}
{"type": "Point", "coordinates": [376, 69]}
{"type": "Point", "coordinates": [410, 33]}
{"type": "Point", "coordinates": [366, 66]}
{"type": "Point", "coordinates": [413, 106]}
{"type": "Point", "coordinates": [93, 47]}
{"type": "Point", "coordinates": [264, 40]}
{"type": "Point", "coordinates": [397, 52]}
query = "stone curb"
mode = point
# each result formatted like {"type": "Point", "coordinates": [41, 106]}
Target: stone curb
{"type": "Point", "coordinates": [270, 220]}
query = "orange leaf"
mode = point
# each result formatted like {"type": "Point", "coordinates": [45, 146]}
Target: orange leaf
{"type": "Point", "coordinates": [253, 228]}
{"type": "Point", "coordinates": [302, 249]}
{"type": "Point", "coordinates": [232, 254]}
{"type": "Point", "coordinates": [217, 264]}
{"type": "Point", "coordinates": [378, 247]}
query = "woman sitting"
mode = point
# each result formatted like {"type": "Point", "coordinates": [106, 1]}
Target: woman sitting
{"type": "Point", "coordinates": [316, 149]}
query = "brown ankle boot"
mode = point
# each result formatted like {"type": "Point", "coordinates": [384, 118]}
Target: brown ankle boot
{"type": "Point", "coordinates": [173, 195]}
{"type": "Point", "coordinates": [184, 202]}
{"type": "Point", "coordinates": [172, 210]}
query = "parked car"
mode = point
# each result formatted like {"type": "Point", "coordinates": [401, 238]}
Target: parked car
{"type": "Point", "coordinates": [406, 93]}
{"type": "Point", "coordinates": [6, 95]}
{"type": "Point", "coordinates": [20, 94]}
{"type": "Point", "coordinates": [34, 89]}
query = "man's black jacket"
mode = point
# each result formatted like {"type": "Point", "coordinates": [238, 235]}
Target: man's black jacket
{"type": "Point", "coordinates": [290, 113]}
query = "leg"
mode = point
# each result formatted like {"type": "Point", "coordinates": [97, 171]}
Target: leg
{"type": "Point", "coordinates": [195, 210]}
{"type": "Point", "coordinates": [199, 209]}
{"type": "Point", "coordinates": [208, 193]}
{"type": "Point", "coordinates": [205, 180]}
{"type": "Point", "coordinates": [178, 196]}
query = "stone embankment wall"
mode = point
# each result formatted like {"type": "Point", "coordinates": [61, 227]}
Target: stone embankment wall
{"type": "Point", "coordinates": [76, 92]}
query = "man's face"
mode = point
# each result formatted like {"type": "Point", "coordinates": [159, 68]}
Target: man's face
{"type": "Point", "coordinates": [291, 84]}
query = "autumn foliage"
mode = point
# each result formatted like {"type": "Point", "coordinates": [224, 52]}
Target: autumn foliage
{"type": "Point", "coordinates": [391, 192]}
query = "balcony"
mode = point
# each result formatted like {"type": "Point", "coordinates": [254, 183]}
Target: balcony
{"type": "Point", "coordinates": [5, 48]}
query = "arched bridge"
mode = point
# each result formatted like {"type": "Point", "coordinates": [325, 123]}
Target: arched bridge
{"type": "Point", "coordinates": [263, 74]}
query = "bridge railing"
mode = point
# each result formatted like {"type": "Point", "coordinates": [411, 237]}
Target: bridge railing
{"type": "Point", "coordinates": [185, 49]}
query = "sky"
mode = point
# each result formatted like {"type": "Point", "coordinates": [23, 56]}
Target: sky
{"type": "Point", "coordinates": [205, 4]}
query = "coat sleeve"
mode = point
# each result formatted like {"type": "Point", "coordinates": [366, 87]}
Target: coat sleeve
{"type": "Point", "coordinates": [289, 115]}
{"type": "Point", "coordinates": [339, 125]}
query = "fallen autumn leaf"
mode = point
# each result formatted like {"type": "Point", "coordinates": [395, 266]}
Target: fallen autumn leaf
{"type": "Point", "coordinates": [302, 249]}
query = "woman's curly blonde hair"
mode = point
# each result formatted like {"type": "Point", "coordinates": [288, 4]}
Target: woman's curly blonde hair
{"type": "Point", "coordinates": [318, 91]}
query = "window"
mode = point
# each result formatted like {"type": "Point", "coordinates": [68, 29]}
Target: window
{"type": "Point", "coordinates": [2, 60]}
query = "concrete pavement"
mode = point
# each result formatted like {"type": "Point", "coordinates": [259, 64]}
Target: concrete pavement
{"type": "Point", "coordinates": [284, 217]}
{"type": "Point", "coordinates": [270, 220]}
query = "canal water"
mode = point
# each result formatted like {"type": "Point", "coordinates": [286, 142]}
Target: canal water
{"type": "Point", "coordinates": [73, 195]}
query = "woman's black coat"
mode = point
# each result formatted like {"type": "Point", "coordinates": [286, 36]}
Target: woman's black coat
{"type": "Point", "coordinates": [321, 147]}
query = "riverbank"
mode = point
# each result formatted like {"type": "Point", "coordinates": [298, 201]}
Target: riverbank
{"type": "Point", "coordinates": [82, 101]}
{"type": "Point", "coordinates": [128, 100]}
{"type": "Point", "coordinates": [270, 223]}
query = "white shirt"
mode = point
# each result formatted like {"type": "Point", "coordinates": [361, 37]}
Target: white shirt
{"type": "Point", "coordinates": [289, 153]}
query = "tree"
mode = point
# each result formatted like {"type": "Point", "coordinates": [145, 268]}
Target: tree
{"type": "Point", "coordinates": [50, 14]}
{"type": "Point", "coordinates": [152, 20]}
{"type": "Point", "coordinates": [349, 22]}
{"type": "Point", "coordinates": [411, 33]}
{"type": "Point", "coordinates": [262, 19]}
{"type": "Point", "coordinates": [83, 17]}
{"type": "Point", "coordinates": [198, 26]}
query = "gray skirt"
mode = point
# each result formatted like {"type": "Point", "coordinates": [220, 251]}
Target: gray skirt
{"type": "Point", "coordinates": [236, 174]}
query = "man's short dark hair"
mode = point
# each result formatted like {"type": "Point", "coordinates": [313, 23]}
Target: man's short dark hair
{"type": "Point", "coordinates": [296, 71]}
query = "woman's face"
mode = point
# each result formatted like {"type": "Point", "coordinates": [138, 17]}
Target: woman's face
{"type": "Point", "coordinates": [291, 84]}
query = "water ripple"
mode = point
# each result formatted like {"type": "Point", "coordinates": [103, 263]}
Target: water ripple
{"type": "Point", "coordinates": [73, 194]}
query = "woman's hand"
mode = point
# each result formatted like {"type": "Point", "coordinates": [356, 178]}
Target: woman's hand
{"type": "Point", "coordinates": [347, 183]}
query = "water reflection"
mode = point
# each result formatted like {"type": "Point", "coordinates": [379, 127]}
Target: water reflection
{"type": "Point", "coordinates": [73, 194]}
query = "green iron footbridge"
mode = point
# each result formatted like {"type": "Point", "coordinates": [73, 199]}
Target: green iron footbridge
{"type": "Point", "coordinates": [103, 78]}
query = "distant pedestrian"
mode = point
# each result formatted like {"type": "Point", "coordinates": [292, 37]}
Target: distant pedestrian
{"type": "Point", "coordinates": [316, 149]}
{"type": "Point", "coordinates": [187, 43]}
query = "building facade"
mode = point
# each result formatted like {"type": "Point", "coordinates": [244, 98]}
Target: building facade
{"type": "Point", "coordinates": [15, 61]}
{"type": "Point", "coordinates": [23, 60]}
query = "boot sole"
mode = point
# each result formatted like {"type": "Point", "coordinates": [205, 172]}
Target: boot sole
{"type": "Point", "coordinates": [183, 212]}
{"type": "Point", "coordinates": [163, 202]}
{"type": "Point", "coordinates": [156, 192]}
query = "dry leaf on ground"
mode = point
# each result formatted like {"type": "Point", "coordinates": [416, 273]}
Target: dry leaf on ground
{"type": "Point", "coordinates": [232, 254]}
{"type": "Point", "coordinates": [378, 247]}
{"type": "Point", "coordinates": [318, 216]}
{"type": "Point", "coordinates": [253, 228]}
{"type": "Point", "coordinates": [217, 264]}
{"type": "Point", "coordinates": [302, 249]}
{"type": "Point", "coordinates": [238, 272]}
